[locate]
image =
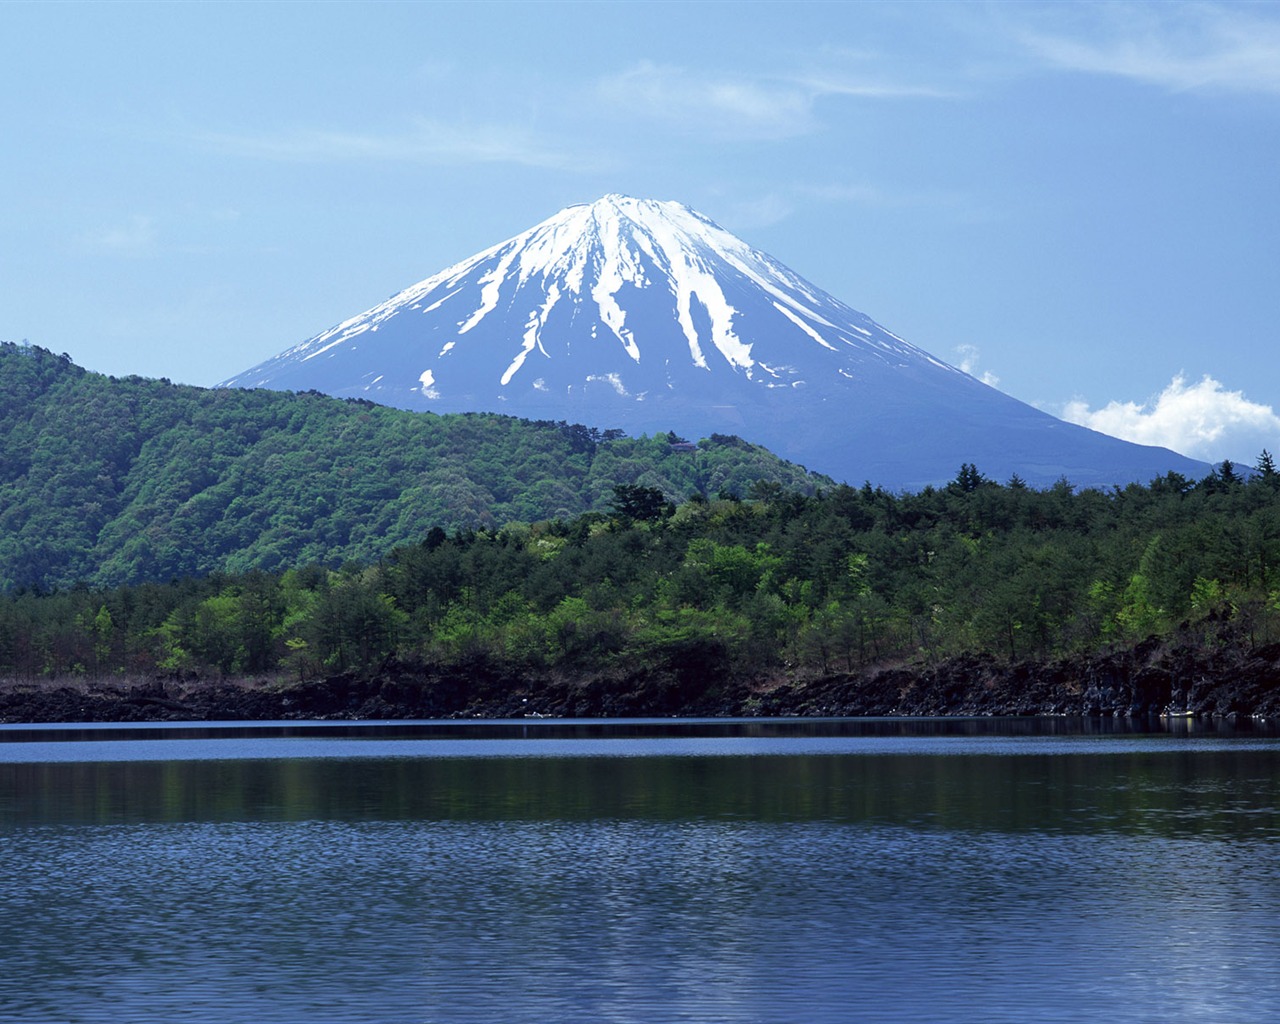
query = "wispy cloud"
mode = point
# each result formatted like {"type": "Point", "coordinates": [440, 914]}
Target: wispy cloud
{"type": "Point", "coordinates": [1212, 47]}
{"type": "Point", "coordinates": [952, 205]}
{"type": "Point", "coordinates": [856, 192]}
{"type": "Point", "coordinates": [424, 141]}
{"type": "Point", "coordinates": [1202, 420]}
{"type": "Point", "coordinates": [727, 105]}
{"type": "Point", "coordinates": [760, 212]}
{"type": "Point", "coordinates": [836, 83]}
{"type": "Point", "coordinates": [137, 238]}
{"type": "Point", "coordinates": [865, 194]}
{"type": "Point", "coordinates": [187, 230]}
{"type": "Point", "coordinates": [717, 106]}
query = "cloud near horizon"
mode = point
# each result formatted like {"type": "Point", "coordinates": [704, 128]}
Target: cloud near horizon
{"type": "Point", "coordinates": [1203, 421]}
{"type": "Point", "coordinates": [969, 364]}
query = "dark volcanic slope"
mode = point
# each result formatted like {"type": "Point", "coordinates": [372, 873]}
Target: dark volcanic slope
{"type": "Point", "coordinates": [647, 316]}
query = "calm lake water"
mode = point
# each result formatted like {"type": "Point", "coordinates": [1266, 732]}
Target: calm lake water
{"type": "Point", "coordinates": [878, 871]}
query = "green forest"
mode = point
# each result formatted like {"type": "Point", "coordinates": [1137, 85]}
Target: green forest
{"type": "Point", "coordinates": [770, 581]}
{"type": "Point", "coordinates": [107, 482]}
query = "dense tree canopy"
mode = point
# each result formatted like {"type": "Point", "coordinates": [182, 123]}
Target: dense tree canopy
{"type": "Point", "coordinates": [775, 581]}
{"type": "Point", "coordinates": [107, 482]}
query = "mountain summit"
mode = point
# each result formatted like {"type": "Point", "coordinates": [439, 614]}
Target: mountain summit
{"type": "Point", "coordinates": [648, 316]}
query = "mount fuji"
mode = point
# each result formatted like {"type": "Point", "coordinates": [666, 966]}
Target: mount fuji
{"type": "Point", "coordinates": [647, 316]}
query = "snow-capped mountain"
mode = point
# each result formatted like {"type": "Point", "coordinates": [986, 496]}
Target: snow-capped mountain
{"type": "Point", "coordinates": [646, 315]}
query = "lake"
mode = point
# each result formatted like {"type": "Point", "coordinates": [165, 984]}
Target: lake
{"type": "Point", "coordinates": [647, 871]}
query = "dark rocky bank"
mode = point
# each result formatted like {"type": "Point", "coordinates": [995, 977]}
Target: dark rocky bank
{"type": "Point", "coordinates": [1173, 676]}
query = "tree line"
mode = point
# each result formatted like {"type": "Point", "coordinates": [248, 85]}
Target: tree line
{"type": "Point", "coordinates": [766, 581]}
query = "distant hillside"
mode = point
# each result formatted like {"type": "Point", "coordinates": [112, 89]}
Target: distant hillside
{"type": "Point", "coordinates": [109, 481]}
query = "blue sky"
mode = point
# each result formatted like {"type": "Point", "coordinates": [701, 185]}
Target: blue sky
{"type": "Point", "coordinates": [1077, 201]}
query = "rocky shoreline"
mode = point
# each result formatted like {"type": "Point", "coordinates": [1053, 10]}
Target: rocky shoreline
{"type": "Point", "coordinates": [1172, 677]}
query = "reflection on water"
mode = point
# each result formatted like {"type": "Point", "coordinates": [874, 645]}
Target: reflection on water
{"type": "Point", "coordinates": [1175, 792]}
{"type": "Point", "coordinates": [964, 885]}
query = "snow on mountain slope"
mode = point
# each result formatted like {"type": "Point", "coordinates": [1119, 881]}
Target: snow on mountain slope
{"type": "Point", "coordinates": [646, 315]}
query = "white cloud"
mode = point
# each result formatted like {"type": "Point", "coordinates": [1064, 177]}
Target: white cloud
{"type": "Point", "coordinates": [1202, 420]}
{"type": "Point", "coordinates": [1211, 47]}
{"type": "Point", "coordinates": [719, 106]}
{"type": "Point", "coordinates": [954, 205]}
{"type": "Point", "coordinates": [425, 141]}
{"type": "Point", "coordinates": [969, 364]}
{"type": "Point", "coordinates": [186, 231]}
{"type": "Point", "coordinates": [137, 238]}
{"type": "Point", "coordinates": [758, 213]}
{"type": "Point", "coordinates": [724, 106]}
{"type": "Point", "coordinates": [845, 84]}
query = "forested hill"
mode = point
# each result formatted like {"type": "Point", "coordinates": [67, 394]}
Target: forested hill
{"type": "Point", "coordinates": [976, 598]}
{"type": "Point", "coordinates": [111, 481]}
